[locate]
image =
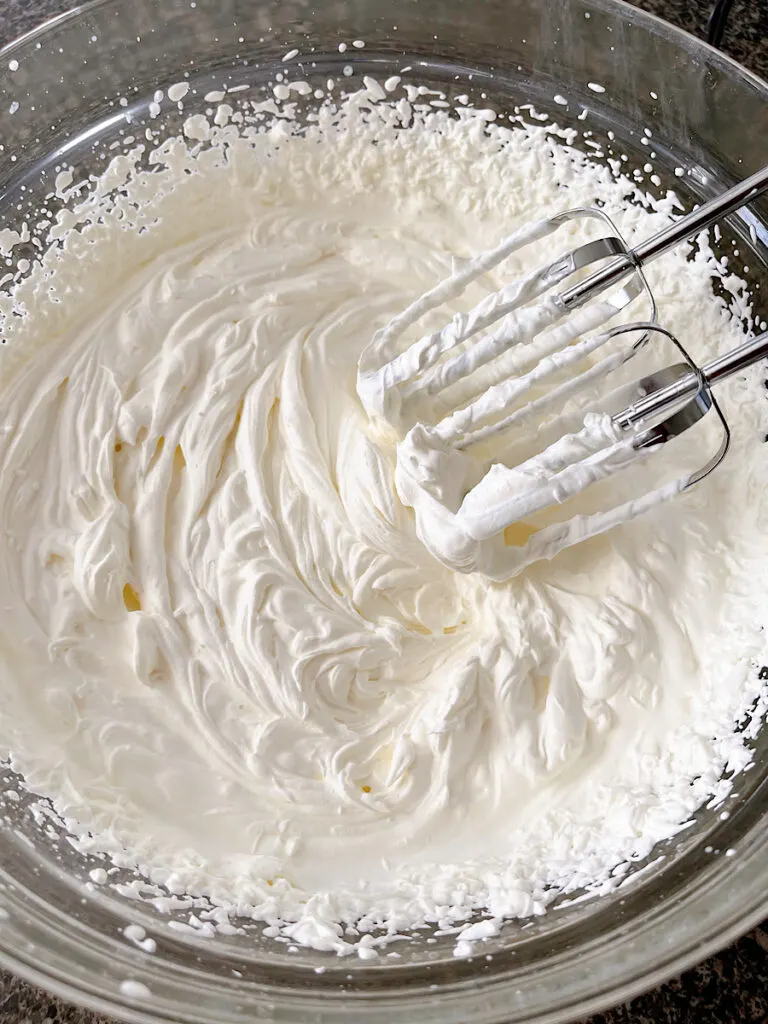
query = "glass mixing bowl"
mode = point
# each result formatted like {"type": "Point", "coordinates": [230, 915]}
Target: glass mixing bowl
{"type": "Point", "coordinates": [706, 114]}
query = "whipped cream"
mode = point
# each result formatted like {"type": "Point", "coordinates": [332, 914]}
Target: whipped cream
{"type": "Point", "coordinates": [226, 655]}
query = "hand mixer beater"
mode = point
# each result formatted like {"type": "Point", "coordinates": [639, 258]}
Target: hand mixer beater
{"type": "Point", "coordinates": [507, 372]}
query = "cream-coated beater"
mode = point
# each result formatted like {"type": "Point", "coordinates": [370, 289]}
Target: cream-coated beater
{"type": "Point", "coordinates": [503, 378]}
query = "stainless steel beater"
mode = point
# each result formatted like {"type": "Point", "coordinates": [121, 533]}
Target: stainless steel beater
{"type": "Point", "coordinates": [494, 374]}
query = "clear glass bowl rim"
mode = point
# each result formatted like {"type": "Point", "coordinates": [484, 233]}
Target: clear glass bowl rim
{"type": "Point", "coordinates": [62, 957]}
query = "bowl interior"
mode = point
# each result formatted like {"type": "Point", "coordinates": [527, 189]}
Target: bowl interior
{"type": "Point", "coordinates": [707, 116]}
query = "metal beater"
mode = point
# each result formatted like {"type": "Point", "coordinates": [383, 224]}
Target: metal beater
{"type": "Point", "coordinates": [497, 373]}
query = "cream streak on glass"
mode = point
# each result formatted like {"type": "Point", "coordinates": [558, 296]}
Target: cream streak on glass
{"type": "Point", "coordinates": [226, 655]}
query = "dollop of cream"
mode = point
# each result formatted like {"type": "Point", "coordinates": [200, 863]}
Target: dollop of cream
{"type": "Point", "coordinates": [225, 653]}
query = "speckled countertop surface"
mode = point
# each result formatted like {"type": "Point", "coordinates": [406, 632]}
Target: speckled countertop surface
{"type": "Point", "coordinates": [730, 988]}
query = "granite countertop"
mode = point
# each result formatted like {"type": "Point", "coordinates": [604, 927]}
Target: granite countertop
{"type": "Point", "coordinates": [730, 988]}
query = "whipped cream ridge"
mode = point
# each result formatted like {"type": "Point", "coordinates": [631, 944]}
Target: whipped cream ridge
{"type": "Point", "coordinates": [225, 654]}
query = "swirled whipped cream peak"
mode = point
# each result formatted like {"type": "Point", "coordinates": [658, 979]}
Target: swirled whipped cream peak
{"type": "Point", "coordinates": [227, 658]}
